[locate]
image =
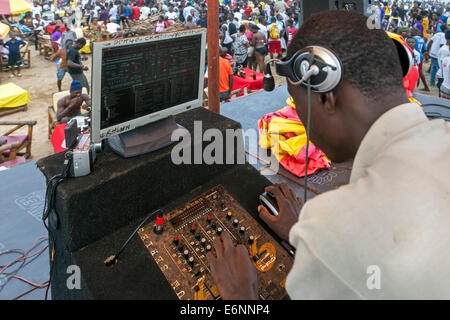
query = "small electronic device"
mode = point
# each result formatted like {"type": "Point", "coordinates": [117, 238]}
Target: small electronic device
{"type": "Point", "coordinates": [82, 151]}
{"type": "Point", "coordinates": [71, 133]}
{"type": "Point", "coordinates": [83, 156]}
{"type": "Point", "coordinates": [268, 200]}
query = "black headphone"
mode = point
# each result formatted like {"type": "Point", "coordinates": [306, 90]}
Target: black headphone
{"type": "Point", "coordinates": [322, 68]}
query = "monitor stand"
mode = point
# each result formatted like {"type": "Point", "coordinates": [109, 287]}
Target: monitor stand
{"type": "Point", "coordinates": [145, 139]}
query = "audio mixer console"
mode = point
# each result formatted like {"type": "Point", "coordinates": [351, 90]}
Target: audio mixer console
{"type": "Point", "coordinates": [179, 244]}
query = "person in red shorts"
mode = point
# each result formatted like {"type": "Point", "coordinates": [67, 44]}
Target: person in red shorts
{"type": "Point", "coordinates": [274, 39]}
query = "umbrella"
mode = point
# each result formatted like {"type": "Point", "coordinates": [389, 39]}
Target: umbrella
{"type": "Point", "coordinates": [14, 6]}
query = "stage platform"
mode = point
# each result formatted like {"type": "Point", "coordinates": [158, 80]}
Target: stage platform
{"type": "Point", "coordinates": [248, 110]}
{"type": "Point", "coordinates": [21, 225]}
{"type": "Point", "coordinates": [22, 191]}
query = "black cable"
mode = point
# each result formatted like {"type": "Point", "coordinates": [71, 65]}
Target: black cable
{"type": "Point", "coordinates": [308, 124]}
{"type": "Point", "coordinates": [49, 207]}
{"type": "Point", "coordinates": [113, 259]}
{"type": "Point", "coordinates": [435, 105]}
{"type": "Point", "coordinates": [436, 115]}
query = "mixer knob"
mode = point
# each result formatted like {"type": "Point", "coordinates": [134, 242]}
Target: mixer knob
{"type": "Point", "coordinates": [213, 226]}
{"type": "Point", "coordinates": [186, 253]}
{"type": "Point", "coordinates": [191, 261]}
{"type": "Point", "coordinates": [175, 241]}
{"type": "Point", "coordinates": [208, 248]}
{"type": "Point", "coordinates": [242, 230]}
{"type": "Point", "coordinates": [219, 231]}
{"type": "Point", "coordinates": [203, 242]}
{"type": "Point", "coordinates": [235, 222]}
{"type": "Point", "coordinates": [208, 220]}
{"type": "Point", "coordinates": [197, 236]}
{"type": "Point", "coordinates": [229, 214]}
{"type": "Point", "coordinates": [193, 230]}
{"type": "Point", "coordinates": [251, 239]}
{"type": "Point", "coordinates": [180, 248]}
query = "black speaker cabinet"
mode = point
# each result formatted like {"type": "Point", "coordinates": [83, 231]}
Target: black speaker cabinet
{"type": "Point", "coordinates": [310, 7]}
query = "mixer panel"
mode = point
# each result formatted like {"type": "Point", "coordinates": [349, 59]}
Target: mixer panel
{"type": "Point", "coordinates": [188, 234]}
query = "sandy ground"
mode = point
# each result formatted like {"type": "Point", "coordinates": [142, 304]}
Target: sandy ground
{"type": "Point", "coordinates": [40, 81]}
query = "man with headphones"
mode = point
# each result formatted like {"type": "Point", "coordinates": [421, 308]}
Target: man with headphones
{"type": "Point", "coordinates": [385, 235]}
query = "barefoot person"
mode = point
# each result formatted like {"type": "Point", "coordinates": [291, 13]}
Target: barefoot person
{"type": "Point", "coordinates": [74, 65]}
{"type": "Point", "coordinates": [60, 57]}
{"type": "Point", "coordinates": [70, 106]}
{"type": "Point", "coordinates": [14, 61]}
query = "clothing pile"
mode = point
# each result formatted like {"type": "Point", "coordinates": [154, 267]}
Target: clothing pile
{"type": "Point", "coordinates": [283, 132]}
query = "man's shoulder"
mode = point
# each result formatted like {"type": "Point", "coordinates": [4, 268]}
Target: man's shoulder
{"type": "Point", "coordinates": [72, 53]}
{"type": "Point", "coordinates": [64, 100]}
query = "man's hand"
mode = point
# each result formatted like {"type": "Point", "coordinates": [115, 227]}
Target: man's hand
{"type": "Point", "coordinates": [289, 208]}
{"type": "Point", "coordinates": [85, 68]}
{"type": "Point", "coordinates": [232, 270]}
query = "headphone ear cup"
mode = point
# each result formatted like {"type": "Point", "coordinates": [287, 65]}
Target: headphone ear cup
{"type": "Point", "coordinates": [301, 64]}
{"type": "Point", "coordinates": [405, 55]}
{"type": "Point", "coordinates": [330, 66]}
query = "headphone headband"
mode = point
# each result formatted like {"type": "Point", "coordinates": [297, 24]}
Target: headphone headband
{"type": "Point", "coordinates": [330, 67]}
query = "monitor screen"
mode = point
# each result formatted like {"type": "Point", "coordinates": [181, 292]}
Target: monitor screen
{"type": "Point", "coordinates": [141, 80]}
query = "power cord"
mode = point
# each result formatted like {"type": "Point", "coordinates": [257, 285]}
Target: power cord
{"type": "Point", "coordinates": [113, 259]}
{"type": "Point", "coordinates": [24, 259]}
{"type": "Point", "coordinates": [49, 207]}
{"type": "Point", "coordinates": [308, 125]}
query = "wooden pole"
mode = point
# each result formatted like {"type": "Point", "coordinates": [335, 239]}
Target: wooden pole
{"type": "Point", "coordinates": [213, 56]}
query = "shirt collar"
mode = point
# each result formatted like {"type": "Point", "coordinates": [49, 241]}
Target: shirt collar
{"type": "Point", "coordinates": [390, 124]}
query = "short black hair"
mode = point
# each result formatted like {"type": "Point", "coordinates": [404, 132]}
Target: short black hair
{"type": "Point", "coordinates": [369, 57]}
{"type": "Point", "coordinates": [81, 41]}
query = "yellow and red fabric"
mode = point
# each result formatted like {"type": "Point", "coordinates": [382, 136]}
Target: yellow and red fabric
{"type": "Point", "coordinates": [410, 80]}
{"type": "Point", "coordinates": [283, 132]}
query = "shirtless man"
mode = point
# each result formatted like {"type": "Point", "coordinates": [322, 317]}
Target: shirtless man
{"type": "Point", "coordinates": [259, 41]}
{"type": "Point", "coordinates": [70, 106]}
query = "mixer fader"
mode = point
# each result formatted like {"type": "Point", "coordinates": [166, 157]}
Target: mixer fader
{"type": "Point", "coordinates": [187, 236]}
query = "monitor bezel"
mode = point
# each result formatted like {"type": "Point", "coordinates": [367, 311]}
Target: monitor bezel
{"type": "Point", "coordinates": [98, 134]}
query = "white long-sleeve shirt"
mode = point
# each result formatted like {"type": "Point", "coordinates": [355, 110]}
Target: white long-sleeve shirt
{"type": "Point", "coordinates": [389, 228]}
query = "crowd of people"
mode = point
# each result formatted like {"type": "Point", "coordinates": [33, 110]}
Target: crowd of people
{"type": "Point", "coordinates": [425, 27]}
{"type": "Point", "coordinates": [271, 25]}
{"type": "Point", "coordinates": [250, 31]}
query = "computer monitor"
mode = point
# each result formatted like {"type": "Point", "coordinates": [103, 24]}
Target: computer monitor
{"type": "Point", "coordinates": [140, 80]}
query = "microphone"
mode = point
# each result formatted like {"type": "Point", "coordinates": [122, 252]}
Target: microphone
{"type": "Point", "coordinates": [268, 81]}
